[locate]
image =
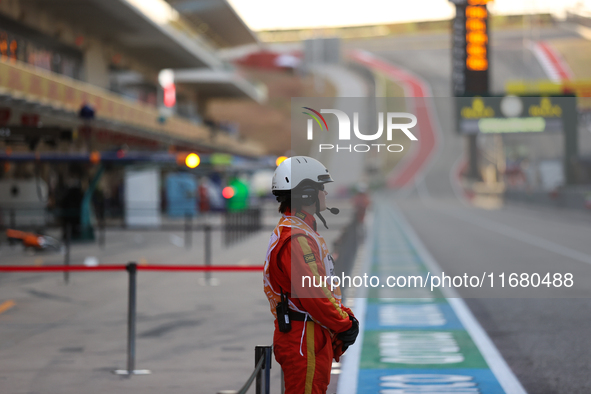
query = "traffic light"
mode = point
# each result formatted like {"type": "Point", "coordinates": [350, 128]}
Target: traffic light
{"type": "Point", "coordinates": [476, 36]}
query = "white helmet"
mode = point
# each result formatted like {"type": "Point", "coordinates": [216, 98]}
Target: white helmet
{"type": "Point", "coordinates": [295, 171]}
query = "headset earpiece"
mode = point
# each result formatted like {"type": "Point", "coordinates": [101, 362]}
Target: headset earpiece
{"type": "Point", "coordinates": [309, 196]}
{"type": "Point", "coordinates": [306, 195]}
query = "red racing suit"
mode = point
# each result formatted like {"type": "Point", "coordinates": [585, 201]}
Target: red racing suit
{"type": "Point", "coordinates": [305, 353]}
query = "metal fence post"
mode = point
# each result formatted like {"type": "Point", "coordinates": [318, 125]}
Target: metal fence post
{"type": "Point", "coordinates": [207, 251]}
{"type": "Point", "coordinates": [102, 229]}
{"type": "Point", "coordinates": [263, 378]}
{"type": "Point", "coordinates": [234, 216]}
{"type": "Point", "coordinates": [102, 233]}
{"type": "Point", "coordinates": [268, 351]}
{"type": "Point", "coordinates": [243, 224]}
{"type": "Point", "coordinates": [226, 228]}
{"type": "Point", "coordinates": [240, 225]}
{"type": "Point", "coordinates": [258, 353]}
{"type": "Point", "coordinates": [188, 230]}
{"type": "Point", "coordinates": [131, 313]}
{"type": "Point", "coordinates": [68, 237]}
{"type": "Point", "coordinates": [259, 219]}
{"type": "Point", "coordinates": [131, 317]}
{"type": "Point", "coordinates": [207, 280]}
{"type": "Point", "coordinates": [239, 220]}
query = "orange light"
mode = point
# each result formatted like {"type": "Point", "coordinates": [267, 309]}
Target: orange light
{"type": "Point", "coordinates": [192, 160]}
{"type": "Point", "coordinates": [476, 63]}
{"type": "Point", "coordinates": [95, 157]}
{"type": "Point", "coordinates": [477, 37]}
{"type": "Point", "coordinates": [476, 50]}
{"type": "Point", "coordinates": [476, 12]}
{"type": "Point", "coordinates": [13, 47]}
{"type": "Point", "coordinates": [280, 160]}
{"type": "Point", "coordinates": [228, 192]}
{"type": "Point", "coordinates": [4, 47]}
{"type": "Point", "coordinates": [475, 24]}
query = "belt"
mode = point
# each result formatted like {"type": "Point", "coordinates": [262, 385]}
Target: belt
{"type": "Point", "coordinates": [297, 316]}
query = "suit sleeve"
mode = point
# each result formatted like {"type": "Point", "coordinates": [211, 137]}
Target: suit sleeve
{"type": "Point", "coordinates": [307, 274]}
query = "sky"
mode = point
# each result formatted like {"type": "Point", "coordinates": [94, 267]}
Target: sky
{"type": "Point", "coordinates": [283, 14]}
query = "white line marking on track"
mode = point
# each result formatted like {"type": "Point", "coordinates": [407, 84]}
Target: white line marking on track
{"type": "Point", "coordinates": [350, 361]}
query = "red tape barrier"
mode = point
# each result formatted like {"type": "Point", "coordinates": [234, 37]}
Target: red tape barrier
{"type": "Point", "coordinates": [200, 268]}
{"type": "Point", "coordinates": [139, 267]}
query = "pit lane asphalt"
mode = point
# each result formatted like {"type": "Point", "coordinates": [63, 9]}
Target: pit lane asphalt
{"type": "Point", "coordinates": [66, 339]}
{"type": "Point", "coordinates": [544, 341]}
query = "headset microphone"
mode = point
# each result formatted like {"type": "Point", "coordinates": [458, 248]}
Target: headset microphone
{"type": "Point", "coordinates": [334, 211]}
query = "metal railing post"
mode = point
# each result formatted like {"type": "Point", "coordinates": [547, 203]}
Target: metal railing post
{"type": "Point", "coordinates": [236, 221]}
{"type": "Point", "coordinates": [258, 353]}
{"type": "Point", "coordinates": [207, 249]}
{"type": "Point", "coordinates": [68, 237]}
{"type": "Point", "coordinates": [239, 220]}
{"type": "Point", "coordinates": [263, 378]}
{"type": "Point", "coordinates": [188, 231]}
{"type": "Point", "coordinates": [262, 359]}
{"type": "Point", "coordinates": [244, 224]}
{"type": "Point", "coordinates": [268, 351]}
{"type": "Point", "coordinates": [228, 233]}
{"type": "Point", "coordinates": [131, 314]}
{"type": "Point", "coordinates": [259, 219]}
{"type": "Point", "coordinates": [102, 233]}
{"type": "Point", "coordinates": [102, 228]}
{"type": "Point", "coordinates": [131, 318]}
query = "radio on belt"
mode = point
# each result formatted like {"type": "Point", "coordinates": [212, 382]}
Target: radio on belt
{"type": "Point", "coordinates": [282, 310]}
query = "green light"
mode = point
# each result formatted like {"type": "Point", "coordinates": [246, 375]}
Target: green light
{"type": "Point", "coordinates": [220, 159]}
{"type": "Point", "coordinates": [512, 125]}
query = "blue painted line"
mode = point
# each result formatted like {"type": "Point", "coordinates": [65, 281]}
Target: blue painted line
{"type": "Point", "coordinates": [451, 320]}
{"type": "Point", "coordinates": [428, 381]}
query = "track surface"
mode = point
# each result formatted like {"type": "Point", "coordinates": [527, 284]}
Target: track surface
{"type": "Point", "coordinates": [544, 341]}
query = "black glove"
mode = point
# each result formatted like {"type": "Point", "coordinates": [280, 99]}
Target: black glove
{"type": "Point", "coordinates": [348, 337]}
